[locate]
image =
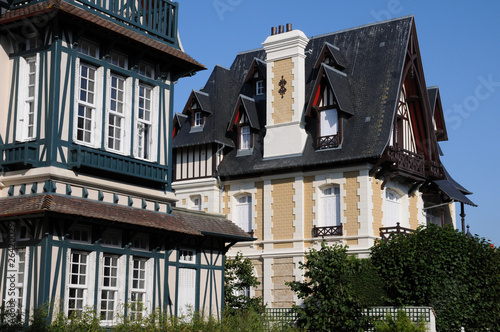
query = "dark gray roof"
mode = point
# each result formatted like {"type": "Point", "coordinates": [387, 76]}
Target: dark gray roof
{"type": "Point", "coordinates": [340, 86]}
{"type": "Point", "coordinates": [449, 188]}
{"type": "Point", "coordinates": [251, 110]}
{"type": "Point", "coordinates": [204, 101]}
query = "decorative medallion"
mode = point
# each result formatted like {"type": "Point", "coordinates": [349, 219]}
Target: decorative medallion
{"type": "Point", "coordinates": [282, 84]}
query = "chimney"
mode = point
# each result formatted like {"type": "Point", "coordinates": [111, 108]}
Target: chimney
{"type": "Point", "coordinates": [285, 58]}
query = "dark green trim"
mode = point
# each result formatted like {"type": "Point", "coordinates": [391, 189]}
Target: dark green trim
{"type": "Point", "coordinates": [127, 279]}
{"type": "Point", "coordinates": [98, 252]}
{"type": "Point", "coordinates": [64, 249]}
{"type": "Point", "coordinates": [45, 269]}
{"type": "Point", "coordinates": [169, 139]}
{"type": "Point", "coordinates": [58, 270]}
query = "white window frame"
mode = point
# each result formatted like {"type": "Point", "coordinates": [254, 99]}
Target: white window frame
{"type": "Point", "coordinates": [139, 286]}
{"type": "Point", "coordinates": [245, 138]}
{"type": "Point", "coordinates": [392, 208]}
{"type": "Point", "coordinates": [187, 256]}
{"type": "Point", "coordinates": [118, 59]}
{"type": "Point", "coordinates": [198, 119]}
{"type": "Point", "coordinates": [186, 291]}
{"type": "Point", "coordinates": [94, 106]}
{"type": "Point", "coordinates": [146, 69]}
{"type": "Point", "coordinates": [88, 47]}
{"type": "Point", "coordinates": [109, 284]}
{"type": "Point", "coordinates": [27, 99]}
{"type": "Point", "coordinates": [196, 202]}
{"type": "Point", "coordinates": [146, 147]}
{"type": "Point", "coordinates": [330, 206]}
{"type": "Point", "coordinates": [244, 213]}
{"type": "Point", "coordinates": [79, 282]}
{"type": "Point", "coordinates": [80, 230]}
{"type": "Point", "coordinates": [118, 109]}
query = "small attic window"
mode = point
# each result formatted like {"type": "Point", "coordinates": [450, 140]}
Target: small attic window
{"type": "Point", "coordinates": [198, 119]}
{"type": "Point", "coordinates": [259, 87]}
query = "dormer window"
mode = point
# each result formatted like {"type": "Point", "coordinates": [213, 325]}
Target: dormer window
{"type": "Point", "coordinates": [198, 120]}
{"type": "Point", "coordinates": [328, 136]}
{"type": "Point", "coordinates": [245, 138]}
{"type": "Point", "coordinates": [259, 87]}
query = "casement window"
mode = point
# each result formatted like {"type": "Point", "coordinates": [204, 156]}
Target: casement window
{"type": "Point", "coordinates": [187, 256]}
{"type": "Point", "coordinates": [146, 69]}
{"type": "Point", "coordinates": [78, 283]}
{"type": "Point", "coordinates": [146, 128]}
{"type": "Point", "coordinates": [112, 238]}
{"type": "Point", "coordinates": [245, 138]}
{"type": "Point", "coordinates": [138, 293]}
{"type": "Point", "coordinates": [88, 48]}
{"type": "Point", "coordinates": [196, 202]}
{"type": "Point", "coordinates": [198, 120]}
{"type": "Point", "coordinates": [118, 110]}
{"type": "Point", "coordinates": [141, 242]}
{"type": "Point", "coordinates": [244, 212]}
{"type": "Point", "coordinates": [329, 121]}
{"type": "Point", "coordinates": [118, 59]}
{"type": "Point", "coordinates": [109, 288]}
{"type": "Point", "coordinates": [392, 211]}
{"type": "Point", "coordinates": [329, 207]}
{"type": "Point", "coordinates": [87, 118]}
{"type": "Point", "coordinates": [80, 234]}
{"type": "Point", "coordinates": [27, 99]}
{"type": "Point", "coordinates": [16, 281]}
{"type": "Point", "coordinates": [21, 259]}
{"type": "Point", "coordinates": [259, 88]}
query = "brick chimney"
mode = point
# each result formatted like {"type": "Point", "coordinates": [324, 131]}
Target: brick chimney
{"type": "Point", "coordinates": [285, 134]}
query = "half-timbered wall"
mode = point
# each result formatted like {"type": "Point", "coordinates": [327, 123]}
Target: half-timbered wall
{"type": "Point", "coordinates": [196, 161]}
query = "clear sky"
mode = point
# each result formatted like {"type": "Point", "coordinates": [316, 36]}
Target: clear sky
{"type": "Point", "coordinates": [460, 48]}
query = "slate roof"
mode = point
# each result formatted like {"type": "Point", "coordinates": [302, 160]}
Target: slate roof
{"type": "Point", "coordinates": [179, 221]}
{"type": "Point", "coordinates": [373, 56]}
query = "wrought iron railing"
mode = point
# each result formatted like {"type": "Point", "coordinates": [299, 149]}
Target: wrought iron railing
{"type": "Point", "coordinates": [327, 231]}
{"type": "Point", "coordinates": [155, 17]}
{"type": "Point", "coordinates": [386, 233]}
{"type": "Point", "coordinates": [328, 142]}
{"type": "Point", "coordinates": [110, 162]}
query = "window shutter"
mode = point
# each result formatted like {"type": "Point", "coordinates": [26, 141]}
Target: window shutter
{"type": "Point", "coordinates": [107, 107]}
{"type": "Point", "coordinates": [155, 119]}
{"type": "Point", "coordinates": [76, 99]}
{"type": "Point", "coordinates": [97, 130]}
{"type": "Point", "coordinates": [21, 93]}
{"type": "Point", "coordinates": [186, 290]}
{"type": "Point", "coordinates": [329, 120]}
{"type": "Point", "coordinates": [127, 137]}
{"type": "Point", "coordinates": [135, 139]}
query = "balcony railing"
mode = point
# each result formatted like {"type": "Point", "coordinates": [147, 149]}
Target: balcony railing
{"type": "Point", "coordinates": [157, 18]}
{"type": "Point", "coordinates": [386, 233]}
{"type": "Point", "coordinates": [19, 154]}
{"type": "Point", "coordinates": [327, 231]}
{"type": "Point", "coordinates": [81, 156]}
{"type": "Point", "coordinates": [328, 142]}
{"type": "Point", "coordinates": [406, 161]}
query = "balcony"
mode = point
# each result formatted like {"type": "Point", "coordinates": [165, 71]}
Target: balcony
{"type": "Point", "coordinates": [328, 142]}
{"type": "Point", "coordinates": [19, 154]}
{"type": "Point", "coordinates": [387, 233]}
{"type": "Point", "coordinates": [81, 156]}
{"type": "Point", "coordinates": [327, 231]}
{"type": "Point", "coordinates": [405, 160]}
{"type": "Point", "coordinates": [157, 18]}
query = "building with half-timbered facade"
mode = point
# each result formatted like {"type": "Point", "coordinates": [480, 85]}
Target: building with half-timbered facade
{"type": "Point", "coordinates": [333, 137]}
{"type": "Point", "coordinates": [86, 217]}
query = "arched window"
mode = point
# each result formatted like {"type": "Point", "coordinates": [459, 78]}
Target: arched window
{"type": "Point", "coordinates": [392, 213]}
{"type": "Point", "coordinates": [244, 212]}
{"type": "Point", "coordinates": [329, 207]}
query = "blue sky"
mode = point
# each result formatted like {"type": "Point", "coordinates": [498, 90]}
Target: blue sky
{"type": "Point", "coordinates": [460, 48]}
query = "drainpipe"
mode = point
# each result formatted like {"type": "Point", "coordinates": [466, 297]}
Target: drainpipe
{"type": "Point", "coordinates": [221, 187]}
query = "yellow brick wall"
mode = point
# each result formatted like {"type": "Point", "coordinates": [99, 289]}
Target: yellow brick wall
{"type": "Point", "coordinates": [413, 212]}
{"type": "Point", "coordinates": [377, 212]}
{"type": "Point", "coordinates": [226, 199]}
{"type": "Point", "coordinates": [351, 213]}
{"type": "Point", "coordinates": [282, 107]}
{"type": "Point", "coordinates": [259, 207]}
{"type": "Point", "coordinates": [282, 272]}
{"type": "Point", "coordinates": [309, 214]}
{"type": "Point", "coordinates": [282, 207]}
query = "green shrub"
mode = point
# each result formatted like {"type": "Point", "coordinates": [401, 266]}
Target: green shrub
{"type": "Point", "coordinates": [402, 323]}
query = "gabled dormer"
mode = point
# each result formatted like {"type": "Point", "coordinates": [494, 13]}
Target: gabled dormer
{"type": "Point", "coordinates": [245, 123]}
{"type": "Point", "coordinates": [197, 109]}
{"type": "Point", "coordinates": [437, 114]}
{"type": "Point", "coordinates": [330, 103]}
{"type": "Point", "coordinates": [331, 56]}
{"type": "Point", "coordinates": [256, 77]}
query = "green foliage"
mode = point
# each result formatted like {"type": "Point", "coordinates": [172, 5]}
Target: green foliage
{"type": "Point", "coordinates": [368, 286]}
{"type": "Point", "coordinates": [85, 321]}
{"type": "Point", "coordinates": [402, 323]}
{"type": "Point", "coordinates": [440, 267]}
{"type": "Point", "coordinates": [239, 277]}
{"type": "Point", "coordinates": [330, 303]}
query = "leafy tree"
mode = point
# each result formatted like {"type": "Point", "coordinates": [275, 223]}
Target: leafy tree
{"type": "Point", "coordinates": [440, 267]}
{"type": "Point", "coordinates": [330, 303]}
{"type": "Point", "coordinates": [238, 278]}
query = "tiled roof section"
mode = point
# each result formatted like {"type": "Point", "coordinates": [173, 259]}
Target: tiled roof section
{"type": "Point", "coordinates": [53, 6]}
{"type": "Point", "coordinates": [340, 86]}
{"type": "Point", "coordinates": [449, 188]}
{"type": "Point", "coordinates": [180, 221]}
{"type": "Point", "coordinates": [374, 57]}
{"type": "Point", "coordinates": [204, 101]}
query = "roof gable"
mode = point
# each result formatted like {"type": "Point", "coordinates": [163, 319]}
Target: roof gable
{"type": "Point", "coordinates": [245, 105]}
